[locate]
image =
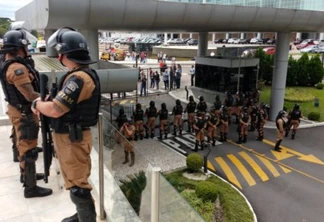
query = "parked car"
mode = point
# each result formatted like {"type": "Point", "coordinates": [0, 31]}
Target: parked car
{"type": "Point", "coordinates": [192, 42]}
{"type": "Point", "coordinates": [244, 41]}
{"type": "Point", "coordinates": [309, 49]}
{"type": "Point", "coordinates": [225, 40]}
{"type": "Point", "coordinates": [230, 41]}
{"type": "Point", "coordinates": [265, 40]}
{"type": "Point", "coordinates": [305, 43]}
{"type": "Point", "coordinates": [177, 41]}
{"type": "Point", "coordinates": [269, 50]}
{"type": "Point", "coordinates": [271, 41]}
{"type": "Point", "coordinates": [248, 53]}
{"type": "Point", "coordinates": [298, 41]}
{"type": "Point", "coordinates": [319, 49]}
{"type": "Point", "coordinates": [218, 41]}
{"type": "Point", "coordinates": [236, 41]}
{"type": "Point", "coordinates": [256, 41]}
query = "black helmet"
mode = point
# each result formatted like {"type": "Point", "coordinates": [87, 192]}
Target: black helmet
{"type": "Point", "coordinates": [121, 111]}
{"type": "Point", "coordinates": [152, 104]}
{"type": "Point", "coordinates": [191, 98]}
{"type": "Point", "coordinates": [163, 106]}
{"type": "Point", "coordinates": [281, 113]}
{"type": "Point", "coordinates": [15, 39]}
{"type": "Point", "coordinates": [178, 102]}
{"type": "Point", "coordinates": [296, 107]}
{"type": "Point", "coordinates": [68, 41]}
{"type": "Point", "coordinates": [201, 98]}
{"type": "Point", "coordinates": [224, 108]}
{"type": "Point", "coordinates": [212, 109]}
{"type": "Point", "coordinates": [130, 121]}
{"type": "Point", "coordinates": [245, 109]}
{"type": "Point", "coordinates": [138, 106]}
{"type": "Point", "coordinates": [217, 97]}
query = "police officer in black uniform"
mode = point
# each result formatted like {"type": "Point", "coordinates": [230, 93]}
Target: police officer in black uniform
{"type": "Point", "coordinates": [262, 119]}
{"type": "Point", "coordinates": [229, 103]}
{"type": "Point", "coordinates": [190, 109]}
{"type": "Point", "coordinates": [202, 107]}
{"type": "Point", "coordinates": [281, 125]}
{"type": "Point", "coordinates": [224, 119]}
{"type": "Point", "coordinates": [74, 110]}
{"type": "Point", "coordinates": [254, 115]}
{"type": "Point", "coordinates": [212, 122]}
{"type": "Point", "coordinates": [20, 84]}
{"type": "Point", "coordinates": [177, 117]}
{"type": "Point", "coordinates": [293, 121]}
{"type": "Point", "coordinates": [199, 127]}
{"type": "Point", "coordinates": [163, 114]}
{"type": "Point", "coordinates": [121, 118]}
{"type": "Point", "coordinates": [244, 121]}
{"type": "Point", "coordinates": [217, 105]}
{"type": "Point", "coordinates": [150, 113]}
{"type": "Point", "coordinates": [138, 116]}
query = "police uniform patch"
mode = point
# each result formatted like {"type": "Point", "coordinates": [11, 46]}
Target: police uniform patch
{"type": "Point", "coordinates": [71, 87]}
{"type": "Point", "coordinates": [19, 72]}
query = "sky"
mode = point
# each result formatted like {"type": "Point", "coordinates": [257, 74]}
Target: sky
{"type": "Point", "coordinates": [8, 7]}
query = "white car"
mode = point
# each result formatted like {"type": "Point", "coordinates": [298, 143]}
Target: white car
{"type": "Point", "coordinates": [309, 49]}
{"type": "Point", "coordinates": [236, 41]}
{"type": "Point", "coordinates": [231, 41]}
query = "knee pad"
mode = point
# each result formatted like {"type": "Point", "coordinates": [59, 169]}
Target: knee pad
{"type": "Point", "coordinates": [80, 192]}
{"type": "Point", "coordinates": [31, 155]}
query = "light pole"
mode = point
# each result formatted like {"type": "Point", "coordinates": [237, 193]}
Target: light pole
{"type": "Point", "coordinates": [239, 71]}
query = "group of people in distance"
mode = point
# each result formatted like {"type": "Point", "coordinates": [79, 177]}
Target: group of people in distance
{"type": "Point", "coordinates": [249, 116]}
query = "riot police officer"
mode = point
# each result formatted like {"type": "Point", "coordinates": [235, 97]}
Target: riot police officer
{"type": "Point", "coordinates": [262, 119]}
{"type": "Point", "coordinates": [128, 131]}
{"type": "Point", "coordinates": [199, 127]}
{"type": "Point", "coordinates": [121, 119]}
{"type": "Point", "coordinates": [217, 105]}
{"type": "Point", "coordinates": [202, 107]}
{"type": "Point", "coordinates": [177, 119]}
{"type": "Point", "coordinates": [238, 106]}
{"type": "Point", "coordinates": [293, 121]}
{"type": "Point", "coordinates": [281, 125]}
{"type": "Point", "coordinates": [190, 108]}
{"type": "Point", "coordinates": [244, 121]}
{"type": "Point", "coordinates": [138, 116]}
{"type": "Point", "coordinates": [224, 119]}
{"type": "Point", "coordinates": [229, 103]}
{"type": "Point", "coordinates": [74, 110]}
{"type": "Point", "coordinates": [20, 84]}
{"type": "Point", "coordinates": [212, 122]}
{"type": "Point", "coordinates": [150, 113]}
{"type": "Point", "coordinates": [163, 113]}
{"type": "Point", "coordinates": [254, 114]}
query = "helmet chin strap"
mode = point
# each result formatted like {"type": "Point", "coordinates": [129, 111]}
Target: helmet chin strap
{"type": "Point", "coordinates": [60, 58]}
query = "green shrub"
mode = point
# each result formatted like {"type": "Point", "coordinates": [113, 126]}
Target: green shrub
{"type": "Point", "coordinates": [298, 95]}
{"type": "Point", "coordinates": [314, 116]}
{"type": "Point", "coordinates": [207, 191]}
{"type": "Point", "coordinates": [194, 162]}
{"type": "Point", "coordinates": [319, 85]}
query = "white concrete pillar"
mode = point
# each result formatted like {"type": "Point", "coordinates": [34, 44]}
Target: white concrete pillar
{"type": "Point", "coordinates": [213, 37]}
{"type": "Point", "coordinates": [171, 35]}
{"type": "Point", "coordinates": [180, 35]}
{"type": "Point", "coordinates": [190, 35]}
{"type": "Point", "coordinates": [50, 52]}
{"type": "Point", "coordinates": [242, 35]}
{"type": "Point", "coordinates": [259, 35]}
{"type": "Point", "coordinates": [103, 34]}
{"type": "Point", "coordinates": [92, 40]}
{"type": "Point", "coordinates": [165, 38]}
{"type": "Point", "coordinates": [202, 44]}
{"type": "Point", "coordinates": [298, 35]}
{"type": "Point", "coordinates": [227, 35]}
{"type": "Point", "coordinates": [279, 74]}
{"type": "Point", "coordinates": [321, 36]}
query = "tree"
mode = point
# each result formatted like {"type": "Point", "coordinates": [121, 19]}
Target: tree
{"type": "Point", "coordinates": [292, 72]}
{"type": "Point", "coordinates": [315, 70]}
{"type": "Point", "coordinates": [266, 63]}
{"type": "Point", "coordinates": [302, 70]}
{"type": "Point", "coordinates": [4, 25]}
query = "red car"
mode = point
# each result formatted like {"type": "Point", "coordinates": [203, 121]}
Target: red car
{"type": "Point", "coordinates": [269, 50]}
{"type": "Point", "coordinates": [305, 43]}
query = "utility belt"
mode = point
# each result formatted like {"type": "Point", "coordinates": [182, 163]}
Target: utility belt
{"type": "Point", "coordinates": [74, 131]}
{"type": "Point", "coordinates": [24, 109]}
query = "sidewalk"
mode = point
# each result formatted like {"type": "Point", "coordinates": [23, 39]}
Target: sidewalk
{"type": "Point", "coordinates": [209, 97]}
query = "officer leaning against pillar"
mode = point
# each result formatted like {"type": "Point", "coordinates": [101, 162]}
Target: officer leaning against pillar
{"type": "Point", "coordinates": [74, 109]}
{"type": "Point", "coordinates": [20, 83]}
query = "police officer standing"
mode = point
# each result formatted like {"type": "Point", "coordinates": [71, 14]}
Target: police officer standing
{"type": "Point", "coordinates": [281, 125]}
{"type": "Point", "coordinates": [150, 113]}
{"type": "Point", "coordinates": [244, 121]}
{"type": "Point", "coordinates": [262, 119]}
{"type": "Point", "coordinates": [224, 119]}
{"type": "Point", "coordinates": [121, 119]}
{"type": "Point", "coordinates": [128, 131]}
{"type": "Point", "coordinates": [229, 103]}
{"type": "Point", "coordinates": [138, 116]}
{"type": "Point", "coordinates": [254, 114]}
{"type": "Point", "coordinates": [293, 121]}
{"type": "Point", "coordinates": [190, 108]}
{"type": "Point", "coordinates": [212, 122]}
{"type": "Point", "coordinates": [218, 105]}
{"type": "Point", "coordinates": [20, 84]}
{"type": "Point", "coordinates": [164, 114]}
{"type": "Point", "coordinates": [74, 110]}
{"type": "Point", "coordinates": [238, 106]}
{"type": "Point", "coordinates": [177, 119]}
{"type": "Point", "coordinates": [202, 107]}
{"type": "Point", "coordinates": [199, 127]}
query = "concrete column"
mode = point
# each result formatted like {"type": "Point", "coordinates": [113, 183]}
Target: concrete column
{"type": "Point", "coordinates": [171, 35]}
{"type": "Point", "coordinates": [190, 35]}
{"type": "Point", "coordinates": [213, 37]}
{"type": "Point", "coordinates": [180, 35]}
{"type": "Point", "coordinates": [92, 40]}
{"type": "Point", "coordinates": [279, 74]}
{"type": "Point", "coordinates": [227, 35]}
{"type": "Point", "coordinates": [298, 35]}
{"type": "Point", "coordinates": [259, 35]}
{"type": "Point", "coordinates": [321, 36]}
{"type": "Point", "coordinates": [242, 35]}
{"type": "Point", "coordinates": [103, 34]}
{"type": "Point", "coordinates": [165, 38]}
{"type": "Point", "coordinates": [202, 44]}
{"type": "Point", "coordinates": [50, 52]}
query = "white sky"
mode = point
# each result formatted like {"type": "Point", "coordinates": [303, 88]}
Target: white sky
{"type": "Point", "coordinates": [8, 7]}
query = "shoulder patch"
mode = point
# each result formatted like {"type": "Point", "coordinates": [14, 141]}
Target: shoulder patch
{"type": "Point", "coordinates": [19, 72]}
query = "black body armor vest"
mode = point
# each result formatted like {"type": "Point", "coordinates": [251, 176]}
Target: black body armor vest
{"type": "Point", "coordinates": [229, 101]}
{"type": "Point", "coordinates": [178, 110]}
{"type": "Point", "coordinates": [218, 104]}
{"type": "Point", "coordinates": [191, 107]}
{"type": "Point", "coordinates": [139, 115]}
{"type": "Point", "coordinates": [151, 112]}
{"type": "Point", "coordinates": [200, 123]}
{"type": "Point", "coordinates": [12, 94]}
{"type": "Point", "coordinates": [224, 117]}
{"type": "Point", "coordinates": [295, 115]}
{"type": "Point", "coordinates": [121, 119]}
{"type": "Point", "coordinates": [213, 120]}
{"type": "Point", "coordinates": [164, 114]}
{"type": "Point", "coordinates": [284, 122]}
{"type": "Point", "coordinates": [84, 113]}
{"type": "Point", "coordinates": [245, 117]}
{"type": "Point", "coordinates": [202, 106]}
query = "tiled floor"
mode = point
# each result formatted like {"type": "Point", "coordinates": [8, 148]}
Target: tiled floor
{"type": "Point", "coordinates": [14, 207]}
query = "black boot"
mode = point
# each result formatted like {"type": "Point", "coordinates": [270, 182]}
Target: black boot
{"type": "Point", "coordinates": [15, 153]}
{"type": "Point", "coordinates": [136, 136]}
{"type": "Point", "coordinates": [166, 136]}
{"type": "Point", "coordinates": [83, 201]}
{"type": "Point", "coordinates": [180, 130]}
{"type": "Point", "coordinates": [244, 139]}
{"type": "Point", "coordinates": [31, 190]}
{"type": "Point", "coordinates": [196, 146]}
{"type": "Point", "coordinates": [225, 137]}
{"type": "Point", "coordinates": [174, 131]}
{"type": "Point", "coordinates": [73, 218]}
{"type": "Point", "coordinates": [141, 135]}
{"type": "Point", "coordinates": [260, 138]}
{"type": "Point", "coordinates": [214, 141]}
{"type": "Point", "coordinates": [147, 134]}
{"type": "Point", "coordinates": [160, 137]}
{"type": "Point", "coordinates": [132, 159]}
{"type": "Point", "coordinates": [202, 145]}
{"type": "Point", "coordinates": [293, 134]}
{"type": "Point", "coordinates": [39, 176]}
{"type": "Point", "coordinates": [152, 135]}
{"type": "Point", "coordinates": [221, 137]}
{"type": "Point", "coordinates": [277, 146]}
{"type": "Point", "coordinates": [287, 132]}
{"type": "Point", "coordinates": [240, 139]}
{"type": "Point", "coordinates": [126, 157]}
{"type": "Point", "coordinates": [189, 129]}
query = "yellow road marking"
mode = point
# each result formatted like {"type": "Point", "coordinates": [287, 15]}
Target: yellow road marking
{"type": "Point", "coordinates": [245, 173]}
{"type": "Point", "coordinates": [229, 173]}
{"type": "Point", "coordinates": [210, 166]}
{"type": "Point", "coordinates": [263, 176]}
{"type": "Point", "coordinates": [269, 165]}
{"type": "Point", "coordinates": [286, 170]}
